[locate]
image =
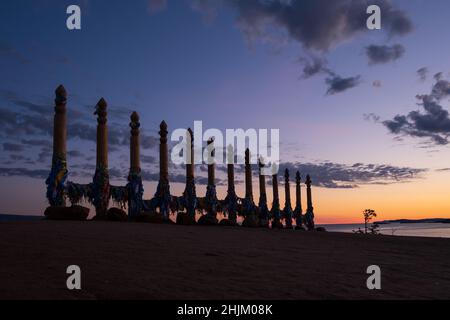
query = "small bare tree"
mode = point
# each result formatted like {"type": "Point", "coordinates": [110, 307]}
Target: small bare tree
{"type": "Point", "coordinates": [369, 214]}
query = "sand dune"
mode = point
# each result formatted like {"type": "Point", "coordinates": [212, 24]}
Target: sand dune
{"type": "Point", "coordinates": [143, 261]}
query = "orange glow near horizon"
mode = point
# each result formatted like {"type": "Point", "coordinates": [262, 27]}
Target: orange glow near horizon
{"type": "Point", "coordinates": [419, 199]}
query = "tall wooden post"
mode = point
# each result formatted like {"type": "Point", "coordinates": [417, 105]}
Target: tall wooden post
{"type": "Point", "coordinates": [101, 186]}
{"type": "Point", "coordinates": [287, 212]}
{"type": "Point", "coordinates": [262, 204]}
{"type": "Point", "coordinates": [308, 182]}
{"type": "Point", "coordinates": [163, 153]}
{"type": "Point", "coordinates": [248, 177]}
{"type": "Point", "coordinates": [211, 164]}
{"type": "Point", "coordinates": [189, 194]}
{"type": "Point", "coordinates": [309, 216]}
{"type": "Point", "coordinates": [58, 174]}
{"type": "Point", "coordinates": [231, 206]}
{"type": "Point", "coordinates": [190, 155]}
{"type": "Point", "coordinates": [249, 207]}
{"type": "Point", "coordinates": [298, 211]}
{"type": "Point", "coordinates": [135, 187]}
{"type": "Point", "coordinates": [275, 212]}
{"type": "Point", "coordinates": [211, 201]}
{"type": "Point", "coordinates": [162, 196]}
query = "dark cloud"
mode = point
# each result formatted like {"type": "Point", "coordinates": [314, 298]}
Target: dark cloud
{"type": "Point", "coordinates": [337, 84]}
{"type": "Point", "coordinates": [341, 176]}
{"type": "Point", "coordinates": [13, 147]}
{"type": "Point", "coordinates": [75, 154]}
{"type": "Point", "coordinates": [423, 73]}
{"type": "Point", "coordinates": [117, 174]}
{"type": "Point", "coordinates": [148, 159]}
{"type": "Point", "coordinates": [441, 89]}
{"type": "Point", "coordinates": [384, 54]}
{"type": "Point", "coordinates": [313, 66]}
{"type": "Point", "coordinates": [17, 157]}
{"type": "Point", "coordinates": [433, 122]}
{"type": "Point", "coordinates": [438, 76]}
{"type": "Point", "coordinates": [149, 142]}
{"type": "Point", "coordinates": [24, 172]}
{"type": "Point", "coordinates": [82, 124]}
{"type": "Point", "coordinates": [316, 24]}
{"type": "Point", "coordinates": [44, 155]}
{"type": "Point", "coordinates": [37, 142]}
{"type": "Point", "coordinates": [371, 117]}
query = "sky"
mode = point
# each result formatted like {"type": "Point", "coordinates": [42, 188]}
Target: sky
{"type": "Point", "coordinates": [364, 112]}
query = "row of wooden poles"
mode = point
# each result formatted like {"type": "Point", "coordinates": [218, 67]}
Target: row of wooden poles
{"type": "Point", "coordinates": [163, 203]}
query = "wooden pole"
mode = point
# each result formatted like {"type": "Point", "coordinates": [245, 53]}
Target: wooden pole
{"type": "Point", "coordinates": [58, 174]}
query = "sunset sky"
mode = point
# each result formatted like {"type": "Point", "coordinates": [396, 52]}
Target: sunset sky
{"type": "Point", "coordinates": [363, 112]}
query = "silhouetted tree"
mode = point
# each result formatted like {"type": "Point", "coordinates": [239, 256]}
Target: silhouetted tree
{"type": "Point", "coordinates": [369, 214]}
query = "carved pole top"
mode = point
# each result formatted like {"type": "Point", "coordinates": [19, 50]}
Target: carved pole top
{"type": "Point", "coordinates": [134, 124]}
{"type": "Point", "coordinates": [247, 156]}
{"type": "Point", "coordinates": [163, 126]}
{"type": "Point", "coordinates": [100, 110]}
{"type": "Point", "coordinates": [163, 132]}
{"type": "Point", "coordinates": [102, 104]}
{"type": "Point", "coordinates": [211, 149]}
{"type": "Point", "coordinates": [286, 174]}
{"type": "Point", "coordinates": [308, 180]}
{"type": "Point", "coordinates": [298, 177]}
{"type": "Point", "coordinates": [191, 135]}
{"type": "Point", "coordinates": [134, 117]}
{"type": "Point", "coordinates": [61, 95]}
{"type": "Point", "coordinates": [261, 162]}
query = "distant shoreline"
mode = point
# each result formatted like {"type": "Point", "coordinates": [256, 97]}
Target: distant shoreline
{"type": "Point", "coordinates": [20, 217]}
{"type": "Point", "coordinates": [431, 220]}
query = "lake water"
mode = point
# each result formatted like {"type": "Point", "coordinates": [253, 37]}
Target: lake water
{"type": "Point", "coordinates": [435, 230]}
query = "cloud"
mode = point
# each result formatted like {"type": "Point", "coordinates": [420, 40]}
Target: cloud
{"type": "Point", "coordinates": [342, 176]}
{"type": "Point", "coordinates": [433, 122]}
{"type": "Point", "coordinates": [35, 119]}
{"type": "Point", "coordinates": [337, 84]}
{"type": "Point", "coordinates": [17, 157]}
{"type": "Point", "coordinates": [37, 142]}
{"type": "Point", "coordinates": [316, 24]}
{"type": "Point", "coordinates": [423, 73]}
{"type": "Point", "coordinates": [313, 66]}
{"type": "Point", "coordinates": [149, 142]}
{"type": "Point", "coordinates": [371, 117]}
{"type": "Point", "coordinates": [384, 54]}
{"type": "Point", "coordinates": [24, 172]}
{"type": "Point", "coordinates": [148, 159]}
{"type": "Point", "coordinates": [12, 147]}
{"type": "Point", "coordinates": [75, 154]}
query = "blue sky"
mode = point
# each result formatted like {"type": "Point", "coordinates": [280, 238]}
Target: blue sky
{"type": "Point", "coordinates": [182, 64]}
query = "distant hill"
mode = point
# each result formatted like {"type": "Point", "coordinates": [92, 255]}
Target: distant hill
{"type": "Point", "coordinates": [432, 220]}
{"type": "Point", "coordinates": [13, 217]}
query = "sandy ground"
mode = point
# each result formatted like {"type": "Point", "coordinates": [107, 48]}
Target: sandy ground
{"type": "Point", "coordinates": [144, 261]}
